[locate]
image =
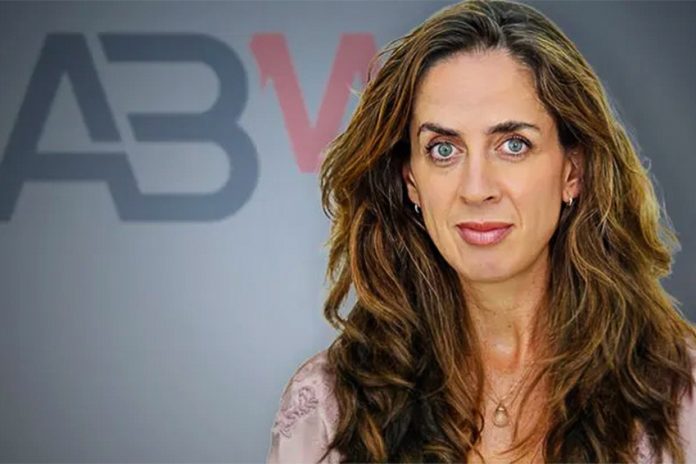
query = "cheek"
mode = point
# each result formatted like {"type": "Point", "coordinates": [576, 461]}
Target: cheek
{"type": "Point", "coordinates": [438, 191]}
{"type": "Point", "coordinates": [539, 203]}
{"type": "Point", "coordinates": [438, 195]}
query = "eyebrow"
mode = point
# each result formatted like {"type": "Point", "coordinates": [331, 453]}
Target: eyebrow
{"type": "Point", "coordinates": [500, 128]}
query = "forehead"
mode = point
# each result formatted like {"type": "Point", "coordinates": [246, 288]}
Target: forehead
{"type": "Point", "coordinates": [478, 89]}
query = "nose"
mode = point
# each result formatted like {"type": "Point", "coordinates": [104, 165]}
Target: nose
{"type": "Point", "coordinates": [477, 183]}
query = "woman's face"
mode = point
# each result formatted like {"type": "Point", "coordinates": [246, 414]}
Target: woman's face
{"type": "Point", "coordinates": [484, 149]}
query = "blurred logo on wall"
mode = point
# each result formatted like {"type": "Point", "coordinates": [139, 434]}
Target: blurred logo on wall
{"type": "Point", "coordinates": [68, 55]}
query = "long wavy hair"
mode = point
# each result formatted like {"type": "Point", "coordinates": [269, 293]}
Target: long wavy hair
{"type": "Point", "coordinates": [408, 369]}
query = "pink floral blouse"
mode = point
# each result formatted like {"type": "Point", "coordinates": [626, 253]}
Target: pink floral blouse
{"type": "Point", "coordinates": [308, 413]}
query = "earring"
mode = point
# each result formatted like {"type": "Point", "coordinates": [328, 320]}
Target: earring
{"type": "Point", "coordinates": [416, 208]}
{"type": "Point", "coordinates": [570, 202]}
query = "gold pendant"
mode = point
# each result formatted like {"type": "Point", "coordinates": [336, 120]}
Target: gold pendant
{"type": "Point", "coordinates": [500, 416]}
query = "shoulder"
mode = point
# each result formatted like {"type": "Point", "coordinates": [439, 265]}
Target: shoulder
{"type": "Point", "coordinates": [687, 426]}
{"type": "Point", "coordinates": [305, 421]}
{"type": "Point", "coordinates": [687, 416]}
{"type": "Point", "coordinates": [687, 419]}
{"type": "Point", "coordinates": [308, 391]}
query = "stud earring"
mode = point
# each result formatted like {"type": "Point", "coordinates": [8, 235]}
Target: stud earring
{"type": "Point", "coordinates": [570, 202]}
{"type": "Point", "coordinates": [416, 208]}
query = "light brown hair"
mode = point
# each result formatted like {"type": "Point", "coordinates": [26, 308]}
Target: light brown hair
{"type": "Point", "coordinates": [409, 376]}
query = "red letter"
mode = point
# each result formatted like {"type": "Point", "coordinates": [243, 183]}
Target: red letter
{"type": "Point", "coordinates": [273, 59]}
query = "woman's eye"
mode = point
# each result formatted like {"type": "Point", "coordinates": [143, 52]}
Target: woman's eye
{"type": "Point", "coordinates": [516, 145]}
{"type": "Point", "coordinates": [440, 151]}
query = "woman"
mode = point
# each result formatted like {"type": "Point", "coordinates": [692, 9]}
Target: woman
{"type": "Point", "coordinates": [505, 246]}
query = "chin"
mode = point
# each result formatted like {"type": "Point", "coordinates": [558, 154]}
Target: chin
{"type": "Point", "coordinates": [482, 274]}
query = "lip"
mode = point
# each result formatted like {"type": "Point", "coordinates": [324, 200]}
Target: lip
{"type": "Point", "coordinates": [483, 233]}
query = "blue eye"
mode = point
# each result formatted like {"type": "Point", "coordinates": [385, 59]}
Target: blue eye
{"type": "Point", "coordinates": [444, 150]}
{"type": "Point", "coordinates": [442, 153]}
{"type": "Point", "coordinates": [516, 145]}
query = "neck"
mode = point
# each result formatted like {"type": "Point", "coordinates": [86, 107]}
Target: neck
{"type": "Point", "coordinates": [506, 316]}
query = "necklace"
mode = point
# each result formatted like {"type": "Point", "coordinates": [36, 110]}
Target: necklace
{"type": "Point", "coordinates": [501, 416]}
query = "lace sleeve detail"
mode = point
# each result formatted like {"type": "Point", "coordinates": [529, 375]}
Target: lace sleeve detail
{"type": "Point", "coordinates": [306, 419]}
{"type": "Point", "coordinates": [687, 430]}
{"type": "Point", "coordinates": [644, 452]}
{"type": "Point", "coordinates": [687, 416]}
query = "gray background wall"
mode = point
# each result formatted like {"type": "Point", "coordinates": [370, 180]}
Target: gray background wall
{"type": "Point", "coordinates": [162, 278]}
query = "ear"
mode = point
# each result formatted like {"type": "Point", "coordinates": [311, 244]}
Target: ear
{"type": "Point", "coordinates": [410, 182]}
{"type": "Point", "coordinates": [573, 173]}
